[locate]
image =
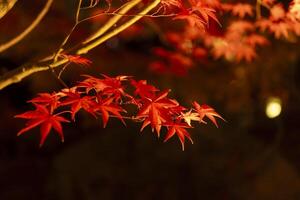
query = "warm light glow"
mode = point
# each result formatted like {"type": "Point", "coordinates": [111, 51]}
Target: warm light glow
{"type": "Point", "coordinates": [273, 107]}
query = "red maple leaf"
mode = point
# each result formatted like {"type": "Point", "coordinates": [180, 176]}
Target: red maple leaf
{"type": "Point", "coordinates": [243, 51]}
{"type": "Point", "coordinates": [110, 86]}
{"type": "Point", "coordinates": [47, 99]}
{"type": "Point", "coordinates": [92, 83]}
{"type": "Point", "coordinates": [179, 129]}
{"type": "Point", "coordinates": [171, 3]}
{"type": "Point", "coordinates": [155, 111]}
{"type": "Point", "coordinates": [44, 118]}
{"type": "Point", "coordinates": [240, 26]}
{"type": "Point", "coordinates": [242, 9]}
{"type": "Point", "coordinates": [235, 44]}
{"type": "Point", "coordinates": [107, 106]}
{"type": "Point", "coordinates": [277, 12]}
{"type": "Point", "coordinates": [191, 18]}
{"type": "Point", "coordinates": [204, 12]}
{"type": "Point", "coordinates": [207, 111]}
{"type": "Point", "coordinates": [255, 39]}
{"type": "Point", "coordinates": [263, 24]}
{"type": "Point", "coordinates": [77, 102]}
{"type": "Point", "coordinates": [280, 29]}
{"type": "Point", "coordinates": [77, 59]}
{"type": "Point", "coordinates": [143, 89]}
{"type": "Point", "coordinates": [114, 86]}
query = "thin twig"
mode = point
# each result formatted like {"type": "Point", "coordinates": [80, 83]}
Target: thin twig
{"type": "Point", "coordinates": [57, 77]}
{"type": "Point", "coordinates": [112, 21]}
{"type": "Point", "coordinates": [92, 5]}
{"type": "Point", "coordinates": [78, 11]}
{"type": "Point", "coordinates": [63, 69]}
{"type": "Point", "coordinates": [154, 15]}
{"type": "Point", "coordinates": [70, 33]}
{"type": "Point", "coordinates": [119, 29]}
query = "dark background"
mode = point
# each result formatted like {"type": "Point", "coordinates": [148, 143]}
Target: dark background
{"type": "Point", "coordinates": [248, 157]}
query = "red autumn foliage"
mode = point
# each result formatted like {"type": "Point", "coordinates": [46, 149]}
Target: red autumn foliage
{"type": "Point", "coordinates": [107, 98]}
{"type": "Point", "coordinates": [207, 29]}
{"type": "Point", "coordinates": [240, 30]}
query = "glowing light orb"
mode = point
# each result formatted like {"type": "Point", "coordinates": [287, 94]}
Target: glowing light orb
{"type": "Point", "coordinates": [273, 107]}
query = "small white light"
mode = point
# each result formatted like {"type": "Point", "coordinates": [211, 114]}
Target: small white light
{"type": "Point", "coordinates": [273, 107]}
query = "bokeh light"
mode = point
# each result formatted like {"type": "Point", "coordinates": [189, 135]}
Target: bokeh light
{"type": "Point", "coordinates": [273, 107]}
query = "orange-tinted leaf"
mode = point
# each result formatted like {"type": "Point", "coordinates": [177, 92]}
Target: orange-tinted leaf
{"type": "Point", "coordinates": [77, 59]}
{"type": "Point", "coordinates": [277, 12]}
{"type": "Point", "coordinates": [179, 129]}
{"type": "Point", "coordinates": [143, 89]}
{"type": "Point", "coordinates": [242, 9]}
{"type": "Point", "coordinates": [171, 3]}
{"type": "Point", "coordinates": [207, 111]}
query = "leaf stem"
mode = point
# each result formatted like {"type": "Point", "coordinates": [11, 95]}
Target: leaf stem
{"type": "Point", "coordinates": [70, 33]}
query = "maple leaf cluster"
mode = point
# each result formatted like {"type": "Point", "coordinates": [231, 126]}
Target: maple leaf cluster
{"type": "Point", "coordinates": [107, 97]}
{"type": "Point", "coordinates": [213, 29]}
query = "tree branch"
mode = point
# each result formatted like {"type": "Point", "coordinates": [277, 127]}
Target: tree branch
{"type": "Point", "coordinates": [19, 73]}
{"type": "Point", "coordinates": [112, 21]}
{"type": "Point", "coordinates": [5, 6]}
{"type": "Point", "coordinates": [18, 38]}
{"type": "Point", "coordinates": [119, 29]}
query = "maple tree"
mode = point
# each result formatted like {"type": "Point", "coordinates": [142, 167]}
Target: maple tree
{"type": "Point", "coordinates": [205, 30]}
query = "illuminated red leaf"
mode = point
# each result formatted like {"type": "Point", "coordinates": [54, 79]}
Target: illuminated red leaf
{"type": "Point", "coordinates": [206, 111]}
{"type": "Point", "coordinates": [155, 111]}
{"type": "Point", "coordinates": [143, 89]}
{"type": "Point", "coordinates": [77, 59]}
{"type": "Point", "coordinates": [204, 12]}
{"type": "Point", "coordinates": [180, 130]}
{"type": "Point", "coordinates": [77, 102]}
{"type": "Point", "coordinates": [192, 19]}
{"type": "Point", "coordinates": [42, 117]}
{"type": "Point", "coordinates": [47, 99]}
{"type": "Point", "coordinates": [107, 107]}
